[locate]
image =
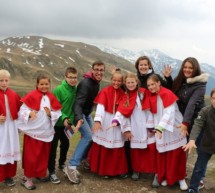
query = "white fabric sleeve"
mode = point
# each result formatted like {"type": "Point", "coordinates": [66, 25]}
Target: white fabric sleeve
{"type": "Point", "coordinates": [100, 113]}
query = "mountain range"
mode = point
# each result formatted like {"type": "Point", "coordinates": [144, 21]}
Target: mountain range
{"type": "Point", "coordinates": [159, 60]}
{"type": "Point", "coordinates": [27, 56]}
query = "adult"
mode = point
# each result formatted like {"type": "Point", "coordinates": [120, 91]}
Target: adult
{"type": "Point", "coordinates": [87, 90]}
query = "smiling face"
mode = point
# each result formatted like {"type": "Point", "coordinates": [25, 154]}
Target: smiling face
{"type": "Point", "coordinates": [188, 70]}
{"type": "Point", "coordinates": [98, 72]}
{"type": "Point", "coordinates": [143, 67]}
{"type": "Point", "coordinates": [131, 83]}
{"type": "Point", "coordinates": [153, 86]}
{"type": "Point", "coordinates": [117, 80]}
{"type": "Point", "coordinates": [43, 85]}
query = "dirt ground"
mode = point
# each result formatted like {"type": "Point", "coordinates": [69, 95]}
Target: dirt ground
{"type": "Point", "coordinates": [95, 184]}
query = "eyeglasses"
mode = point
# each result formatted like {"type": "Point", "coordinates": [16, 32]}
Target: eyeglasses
{"type": "Point", "coordinates": [98, 70]}
{"type": "Point", "coordinates": [72, 78]}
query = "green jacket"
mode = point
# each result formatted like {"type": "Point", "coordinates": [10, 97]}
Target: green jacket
{"type": "Point", "coordinates": [66, 95]}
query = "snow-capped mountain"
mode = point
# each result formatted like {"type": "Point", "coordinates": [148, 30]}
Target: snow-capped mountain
{"type": "Point", "coordinates": [159, 60]}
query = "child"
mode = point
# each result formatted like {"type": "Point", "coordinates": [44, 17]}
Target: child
{"type": "Point", "coordinates": [132, 115]}
{"type": "Point", "coordinates": [37, 117]}
{"type": "Point", "coordinates": [65, 93]}
{"type": "Point", "coordinates": [169, 140]}
{"type": "Point", "coordinates": [9, 143]}
{"type": "Point", "coordinates": [205, 121]}
{"type": "Point", "coordinates": [107, 154]}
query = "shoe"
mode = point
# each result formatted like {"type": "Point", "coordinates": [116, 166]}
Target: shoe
{"type": "Point", "coordinates": [105, 177]}
{"type": "Point", "coordinates": [201, 185]}
{"type": "Point", "coordinates": [43, 179]}
{"type": "Point", "coordinates": [155, 183]}
{"type": "Point", "coordinates": [72, 175]}
{"type": "Point", "coordinates": [54, 179]}
{"type": "Point", "coordinates": [123, 176]}
{"type": "Point", "coordinates": [164, 183]}
{"type": "Point", "coordinates": [9, 182]}
{"type": "Point", "coordinates": [190, 191]}
{"type": "Point", "coordinates": [28, 184]}
{"type": "Point", "coordinates": [85, 164]}
{"type": "Point", "coordinates": [183, 185]}
{"type": "Point", "coordinates": [135, 176]}
{"type": "Point", "coordinates": [61, 167]}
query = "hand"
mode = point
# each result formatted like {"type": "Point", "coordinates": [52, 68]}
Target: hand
{"type": "Point", "coordinates": [128, 135]}
{"type": "Point", "coordinates": [167, 70]}
{"type": "Point", "coordinates": [33, 115]}
{"type": "Point", "coordinates": [158, 134]}
{"type": "Point", "coordinates": [189, 146]}
{"type": "Point", "coordinates": [78, 125]}
{"type": "Point", "coordinates": [112, 125]}
{"type": "Point", "coordinates": [184, 130]}
{"type": "Point", "coordinates": [48, 111]}
{"type": "Point", "coordinates": [2, 118]}
{"type": "Point", "coordinates": [96, 127]}
{"type": "Point", "coordinates": [66, 122]}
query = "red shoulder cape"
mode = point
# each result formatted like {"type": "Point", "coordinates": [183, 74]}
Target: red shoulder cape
{"type": "Point", "coordinates": [13, 101]}
{"type": "Point", "coordinates": [128, 102]}
{"type": "Point", "coordinates": [110, 98]}
{"type": "Point", "coordinates": [167, 97]}
{"type": "Point", "coordinates": [33, 100]}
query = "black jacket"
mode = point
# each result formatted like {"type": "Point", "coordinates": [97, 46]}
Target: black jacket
{"type": "Point", "coordinates": [87, 90]}
{"type": "Point", "coordinates": [165, 82]}
{"type": "Point", "coordinates": [191, 97]}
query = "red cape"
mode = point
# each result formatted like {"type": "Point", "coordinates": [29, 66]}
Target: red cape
{"type": "Point", "coordinates": [167, 97]}
{"type": "Point", "coordinates": [128, 102]}
{"type": "Point", "coordinates": [33, 100]}
{"type": "Point", "coordinates": [14, 103]}
{"type": "Point", "coordinates": [110, 98]}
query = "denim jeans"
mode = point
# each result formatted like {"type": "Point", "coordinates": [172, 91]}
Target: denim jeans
{"type": "Point", "coordinates": [199, 169]}
{"type": "Point", "coordinates": [84, 143]}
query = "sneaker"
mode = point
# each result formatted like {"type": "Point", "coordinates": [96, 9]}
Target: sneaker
{"type": "Point", "coordinates": [123, 176]}
{"type": "Point", "coordinates": [190, 191]}
{"type": "Point", "coordinates": [105, 177]}
{"type": "Point", "coordinates": [135, 176]}
{"type": "Point", "coordinates": [85, 164]}
{"type": "Point", "coordinates": [72, 175]}
{"type": "Point", "coordinates": [155, 183]}
{"type": "Point", "coordinates": [201, 185]}
{"type": "Point", "coordinates": [9, 182]}
{"type": "Point", "coordinates": [43, 179]}
{"type": "Point", "coordinates": [28, 184]}
{"type": "Point", "coordinates": [183, 184]}
{"type": "Point", "coordinates": [164, 183]}
{"type": "Point", "coordinates": [61, 167]}
{"type": "Point", "coordinates": [54, 179]}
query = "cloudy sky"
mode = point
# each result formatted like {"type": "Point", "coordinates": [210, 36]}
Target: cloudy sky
{"type": "Point", "coordinates": [179, 28]}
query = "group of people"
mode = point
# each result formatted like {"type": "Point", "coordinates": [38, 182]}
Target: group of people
{"type": "Point", "coordinates": [142, 124]}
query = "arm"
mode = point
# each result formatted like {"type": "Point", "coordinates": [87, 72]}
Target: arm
{"type": "Point", "coordinates": [99, 116]}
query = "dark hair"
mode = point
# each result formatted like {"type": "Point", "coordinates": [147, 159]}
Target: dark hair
{"type": "Point", "coordinates": [212, 92]}
{"type": "Point", "coordinates": [98, 63]}
{"type": "Point", "coordinates": [70, 70]}
{"type": "Point", "coordinates": [117, 72]}
{"type": "Point", "coordinates": [42, 76]}
{"type": "Point", "coordinates": [153, 77]}
{"type": "Point", "coordinates": [180, 78]}
{"type": "Point", "coordinates": [143, 58]}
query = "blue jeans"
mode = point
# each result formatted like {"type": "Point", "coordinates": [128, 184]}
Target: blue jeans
{"type": "Point", "coordinates": [199, 169]}
{"type": "Point", "coordinates": [85, 142]}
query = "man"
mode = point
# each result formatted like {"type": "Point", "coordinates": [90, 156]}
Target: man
{"type": "Point", "coordinates": [87, 90]}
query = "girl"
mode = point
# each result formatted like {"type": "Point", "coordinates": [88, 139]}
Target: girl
{"type": "Point", "coordinates": [107, 155]}
{"type": "Point", "coordinates": [190, 86]}
{"type": "Point", "coordinates": [144, 69]}
{"type": "Point", "coordinates": [132, 115]}
{"type": "Point", "coordinates": [9, 143]}
{"type": "Point", "coordinates": [169, 140]}
{"type": "Point", "coordinates": [37, 117]}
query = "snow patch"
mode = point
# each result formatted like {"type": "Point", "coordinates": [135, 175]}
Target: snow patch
{"type": "Point", "coordinates": [60, 45]}
{"type": "Point", "coordinates": [77, 51]}
{"type": "Point", "coordinates": [72, 59]}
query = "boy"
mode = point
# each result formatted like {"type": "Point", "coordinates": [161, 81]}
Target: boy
{"type": "Point", "coordinates": [66, 94]}
{"type": "Point", "coordinates": [206, 121]}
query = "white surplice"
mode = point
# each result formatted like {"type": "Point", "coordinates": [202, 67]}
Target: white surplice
{"type": "Point", "coordinates": [9, 140]}
{"type": "Point", "coordinates": [41, 128]}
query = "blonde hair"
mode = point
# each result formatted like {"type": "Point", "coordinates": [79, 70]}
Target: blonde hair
{"type": "Point", "coordinates": [4, 72]}
{"type": "Point", "coordinates": [130, 75]}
